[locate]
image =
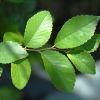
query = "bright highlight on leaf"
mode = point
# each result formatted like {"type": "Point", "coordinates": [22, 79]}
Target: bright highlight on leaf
{"type": "Point", "coordinates": [20, 73]}
{"type": "Point", "coordinates": [38, 29]}
{"type": "Point", "coordinates": [76, 31]}
{"type": "Point", "coordinates": [60, 70]}
{"type": "Point", "coordinates": [11, 51]}
{"type": "Point", "coordinates": [83, 61]}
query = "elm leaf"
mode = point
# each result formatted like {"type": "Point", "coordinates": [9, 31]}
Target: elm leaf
{"type": "Point", "coordinates": [76, 31]}
{"type": "Point", "coordinates": [20, 73]}
{"type": "Point", "coordinates": [11, 51]}
{"type": "Point", "coordinates": [83, 61]}
{"type": "Point", "coordinates": [38, 29]}
{"type": "Point", "coordinates": [59, 69]}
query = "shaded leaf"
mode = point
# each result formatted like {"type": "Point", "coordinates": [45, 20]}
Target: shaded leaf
{"type": "Point", "coordinates": [9, 93]}
{"type": "Point", "coordinates": [20, 73]}
{"type": "Point", "coordinates": [91, 45]}
{"type": "Point", "coordinates": [76, 31]}
{"type": "Point", "coordinates": [60, 70]}
{"type": "Point", "coordinates": [16, 37]}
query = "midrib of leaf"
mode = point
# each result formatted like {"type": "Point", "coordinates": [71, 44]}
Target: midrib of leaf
{"type": "Point", "coordinates": [36, 30]}
{"type": "Point", "coordinates": [67, 35]}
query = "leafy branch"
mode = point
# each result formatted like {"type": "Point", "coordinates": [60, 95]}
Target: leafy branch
{"type": "Point", "coordinates": [76, 39]}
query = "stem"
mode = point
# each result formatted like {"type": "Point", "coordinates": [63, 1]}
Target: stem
{"type": "Point", "coordinates": [51, 48]}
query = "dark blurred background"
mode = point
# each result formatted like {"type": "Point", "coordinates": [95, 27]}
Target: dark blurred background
{"type": "Point", "coordinates": [13, 17]}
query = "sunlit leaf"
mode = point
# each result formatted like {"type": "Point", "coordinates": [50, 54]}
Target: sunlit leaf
{"type": "Point", "coordinates": [20, 73]}
{"type": "Point", "coordinates": [38, 29]}
{"type": "Point", "coordinates": [76, 31]}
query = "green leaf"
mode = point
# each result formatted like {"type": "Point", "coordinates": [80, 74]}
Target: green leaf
{"type": "Point", "coordinates": [11, 51]}
{"type": "Point", "coordinates": [38, 29]}
{"type": "Point", "coordinates": [16, 37]}
{"type": "Point", "coordinates": [20, 73]}
{"type": "Point", "coordinates": [83, 61]}
{"type": "Point", "coordinates": [91, 45]}
{"type": "Point", "coordinates": [1, 71]}
{"type": "Point", "coordinates": [60, 70]}
{"type": "Point", "coordinates": [76, 31]}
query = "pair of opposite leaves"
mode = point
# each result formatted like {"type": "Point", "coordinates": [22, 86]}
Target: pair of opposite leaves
{"type": "Point", "coordinates": [75, 32]}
